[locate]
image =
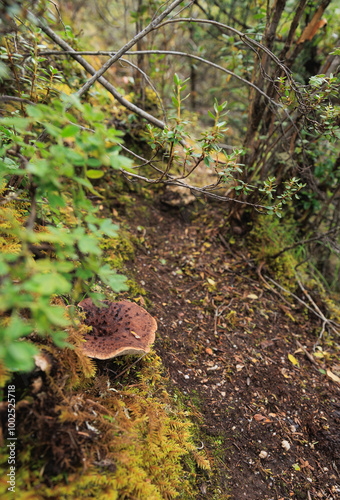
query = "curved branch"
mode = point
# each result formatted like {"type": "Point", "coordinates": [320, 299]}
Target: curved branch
{"type": "Point", "coordinates": [151, 26]}
{"type": "Point", "coordinates": [243, 36]}
{"type": "Point", "coordinates": [171, 53]}
{"type": "Point", "coordinates": [151, 85]}
{"type": "Point", "coordinates": [124, 102]}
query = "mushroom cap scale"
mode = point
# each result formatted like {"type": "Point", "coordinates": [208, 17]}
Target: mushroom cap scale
{"type": "Point", "coordinates": [117, 329]}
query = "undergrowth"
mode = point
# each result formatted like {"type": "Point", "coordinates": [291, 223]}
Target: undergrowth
{"type": "Point", "coordinates": [84, 432]}
{"type": "Point", "coordinates": [267, 239]}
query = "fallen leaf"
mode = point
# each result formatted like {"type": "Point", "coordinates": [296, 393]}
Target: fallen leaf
{"type": "Point", "coordinates": [266, 343]}
{"type": "Point", "coordinates": [239, 367]}
{"type": "Point", "coordinates": [135, 334]}
{"type": "Point", "coordinates": [141, 301]}
{"type": "Point", "coordinates": [285, 373]}
{"type": "Point", "coordinates": [252, 296]}
{"type": "Point", "coordinates": [258, 417]}
{"type": "Point", "coordinates": [293, 360]}
{"type": "Point", "coordinates": [208, 350]}
{"type": "Point", "coordinates": [336, 369]}
{"type": "Point", "coordinates": [203, 489]}
{"type": "Point", "coordinates": [43, 362]}
{"type": "Point", "coordinates": [333, 377]}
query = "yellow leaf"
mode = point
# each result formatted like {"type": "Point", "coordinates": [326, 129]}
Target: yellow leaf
{"type": "Point", "coordinates": [211, 282]}
{"type": "Point", "coordinates": [252, 296]}
{"type": "Point", "coordinates": [293, 360]}
{"type": "Point", "coordinates": [331, 375]}
{"type": "Point", "coordinates": [285, 373]}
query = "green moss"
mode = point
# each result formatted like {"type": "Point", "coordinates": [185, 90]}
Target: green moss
{"type": "Point", "coordinates": [118, 250]}
{"type": "Point", "coordinates": [268, 237]}
{"type": "Point", "coordinates": [135, 289]}
{"type": "Point", "coordinates": [124, 438]}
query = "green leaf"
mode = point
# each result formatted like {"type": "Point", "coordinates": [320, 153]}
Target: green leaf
{"type": "Point", "coordinates": [94, 174]}
{"type": "Point", "coordinates": [59, 338]}
{"type": "Point", "coordinates": [48, 284]}
{"type": "Point", "coordinates": [74, 157]}
{"type": "Point", "coordinates": [56, 315]}
{"type": "Point", "coordinates": [175, 102]}
{"type": "Point", "coordinates": [108, 228]}
{"type": "Point", "coordinates": [89, 244]}
{"type": "Point", "coordinates": [4, 268]}
{"type": "Point", "coordinates": [17, 122]}
{"type": "Point", "coordinates": [69, 131]}
{"type": "Point", "coordinates": [4, 72]}
{"type": "Point", "coordinates": [16, 329]}
{"type": "Point", "coordinates": [19, 356]}
{"type": "Point", "coordinates": [94, 162]}
{"type": "Point", "coordinates": [35, 112]}
{"type": "Point", "coordinates": [117, 282]}
{"type": "Point", "coordinates": [118, 161]}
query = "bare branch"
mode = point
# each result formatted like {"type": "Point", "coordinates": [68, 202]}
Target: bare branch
{"type": "Point", "coordinates": [304, 242]}
{"type": "Point", "coordinates": [151, 85]}
{"type": "Point", "coordinates": [8, 98]}
{"type": "Point", "coordinates": [245, 38]}
{"type": "Point", "coordinates": [59, 15]}
{"type": "Point", "coordinates": [124, 102]}
{"type": "Point", "coordinates": [316, 312]}
{"type": "Point", "coordinates": [171, 53]}
{"type": "Point", "coordinates": [151, 26]}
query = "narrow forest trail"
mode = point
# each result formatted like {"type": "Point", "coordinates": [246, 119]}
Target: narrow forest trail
{"type": "Point", "coordinates": [225, 339]}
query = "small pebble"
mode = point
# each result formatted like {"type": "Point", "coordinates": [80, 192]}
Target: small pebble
{"type": "Point", "coordinates": [263, 454]}
{"type": "Point", "coordinates": [285, 445]}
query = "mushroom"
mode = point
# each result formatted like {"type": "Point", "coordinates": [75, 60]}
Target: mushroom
{"type": "Point", "coordinates": [120, 328]}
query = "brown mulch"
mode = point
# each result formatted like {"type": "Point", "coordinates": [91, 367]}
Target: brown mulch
{"type": "Point", "coordinates": [224, 338]}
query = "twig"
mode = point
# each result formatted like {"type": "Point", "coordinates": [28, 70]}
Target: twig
{"type": "Point", "coordinates": [320, 315]}
{"type": "Point", "coordinates": [171, 53]}
{"type": "Point", "coordinates": [309, 356]}
{"type": "Point", "coordinates": [29, 224]}
{"type": "Point", "coordinates": [59, 15]}
{"type": "Point", "coordinates": [324, 320]}
{"type": "Point", "coordinates": [132, 107]}
{"type": "Point", "coordinates": [217, 314]}
{"type": "Point", "coordinates": [271, 288]}
{"type": "Point", "coordinates": [8, 98]}
{"type": "Point", "coordinates": [151, 85]}
{"type": "Point", "coordinates": [304, 242]}
{"type": "Point", "coordinates": [183, 8]}
{"type": "Point", "coordinates": [150, 27]}
{"type": "Point", "coordinates": [246, 39]}
{"type": "Point", "coordinates": [128, 368]}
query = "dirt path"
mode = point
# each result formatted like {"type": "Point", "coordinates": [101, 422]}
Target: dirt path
{"type": "Point", "coordinates": [270, 423]}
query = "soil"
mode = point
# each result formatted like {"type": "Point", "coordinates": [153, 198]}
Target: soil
{"type": "Point", "coordinates": [243, 355]}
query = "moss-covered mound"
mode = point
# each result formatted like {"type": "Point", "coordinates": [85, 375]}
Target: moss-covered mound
{"type": "Point", "coordinates": [103, 430]}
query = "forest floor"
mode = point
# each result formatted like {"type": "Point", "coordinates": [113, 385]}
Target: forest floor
{"type": "Point", "coordinates": [243, 356]}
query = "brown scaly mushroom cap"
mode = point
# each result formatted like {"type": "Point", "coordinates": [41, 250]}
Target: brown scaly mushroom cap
{"type": "Point", "coordinates": [121, 328]}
